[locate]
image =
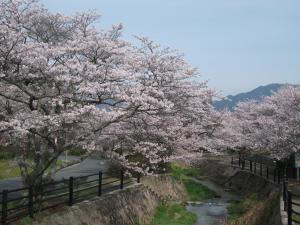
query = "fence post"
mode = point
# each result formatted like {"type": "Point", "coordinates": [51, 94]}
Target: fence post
{"type": "Point", "coordinates": [30, 201]}
{"type": "Point", "coordinates": [255, 168]}
{"type": "Point", "coordinates": [267, 172]}
{"type": "Point", "coordinates": [139, 178]}
{"type": "Point", "coordinates": [251, 166]}
{"type": "Point", "coordinates": [289, 207]}
{"type": "Point", "coordinates": [284, 195]}
{"type": "Point", "coordinates": [279, 176]}
{"type": "Point", "coordinates": [239, 160]}
{"type": "Point", "coordinates": [260, 173]}
{"type": "Point", "coordinates": [100, 184]}
{"type": "Point", "coordinates": [243, 164]}
{"type": "Point", "coordinates": [71, 189]}
{"type": "Point", "coordinates": [122, 179]}
{"type": "Point", "coordinates": [4, 207]}
{"type": "Point", "coordinates": [274, 175]}
{"type": "Point", "coordinates": [231, 161]}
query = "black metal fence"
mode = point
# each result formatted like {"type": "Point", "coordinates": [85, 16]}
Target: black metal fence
{"type": "Point", "coordinates": [278, 176]}
{"type": "Point", "coordinates": [291, 204]}
{"type": "Point", "coordinates": [19, 203]}
{"type": "Point", "coordinates": [271, 172]}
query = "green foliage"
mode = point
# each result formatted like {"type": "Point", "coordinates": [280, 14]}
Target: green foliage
{"type": "Point", "coordinates": [253, 197]}
{"type": "Point", "coordinates": [7, 170]}
{"type": "Point", "coordinates": [6, 153]}
{"type": "Point", "coordinates": [195, 191]}
{"type": "Point", "coordinates": [180, 172]}
{"type": "Point", "coordinates": [77, 152]}
{"type": "Point", "coordinates": [236, 209]}
{"type": "Point", "coordinates": [173, 214]}
{"type": "Point", "coordinates": [198, 192]}
{"type": "Point", "coordinates": [26, 221]}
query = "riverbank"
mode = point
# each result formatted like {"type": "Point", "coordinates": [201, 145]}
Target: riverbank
{"type": "Point", "coordinates": [189, 195]}
{"type": "Point", "coordinates": [258, 199]}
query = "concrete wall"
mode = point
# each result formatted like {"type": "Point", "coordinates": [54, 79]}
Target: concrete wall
{"type": "Point", "coordinates": [267, 211]}
{"type": "Point", "coordinates": [132, 206]}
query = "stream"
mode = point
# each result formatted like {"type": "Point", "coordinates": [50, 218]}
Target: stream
{"type": "Point", "coordinates": [211, 211]}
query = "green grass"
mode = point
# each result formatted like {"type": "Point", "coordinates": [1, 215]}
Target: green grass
{"type": "Point", "coordinates": [195, 191]}
{"type": "Point", "coordinates": [26, 221]}
{"type": "Point", "coordinates": [236, 209]}
{"type": "Point", "coordinates": [198, 192]}
{"type": "Point", "coordinates": [8, 171]}
{"type": "Point", "coordinates": [77, 152]}
{"type": "Point", "coordinates": [6, 153]}
{"type": "Point", "coordinates": [173, 214]}
{"type": "Point", "coordinates": [180, 172]}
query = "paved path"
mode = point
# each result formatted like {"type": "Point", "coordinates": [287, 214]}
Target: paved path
{"type": "Point", "coordinates": [86, 167]}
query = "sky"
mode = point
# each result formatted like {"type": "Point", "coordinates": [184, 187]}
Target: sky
{"type": "Point", "coordinates": [237, 45]}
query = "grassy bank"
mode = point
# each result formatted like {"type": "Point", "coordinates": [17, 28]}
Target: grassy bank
{"type": "Point", "coordinates": [195, 191]}
{"type": "Point", "coordinates": [7, 170]}
{"type": "Point", "coordinates": [248, 211]}
{"type": "Point", "coordinates": [173, 214]}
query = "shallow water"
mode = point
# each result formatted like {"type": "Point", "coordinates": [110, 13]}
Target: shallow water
{"type": "Point", "coordinates": [211, 212]}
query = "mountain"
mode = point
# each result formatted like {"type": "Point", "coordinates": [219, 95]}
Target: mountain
{"type": "Point", "coordinates": [257, 94]}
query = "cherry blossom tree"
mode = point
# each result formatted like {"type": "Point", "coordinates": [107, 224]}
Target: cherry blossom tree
{"type": "Point", "coordinates": [157, 135]}
{"type": "Point", "coordinates": [65, 83]}
{"type": "Point", "coordinates": [271, 125]}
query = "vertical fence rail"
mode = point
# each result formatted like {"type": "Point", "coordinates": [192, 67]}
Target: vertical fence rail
{"type": "Point", "coordinates": [122, 179]}
{"type": "Point", "coordinates": [4, 207]}
{"type": "Point", "coordinates": [279, 177]}
{"type": "Point", "coordinates": [71, 186]}
{"type": "Point", "coordinates": [57, 193]}
{"type": "Point", "coordinates": [289, 208]}
{"type": "Point", "coordinates": [100, 184]}
{"type": "Point", "coordinates": [284, 194]}
{"type": "Point", "coordinates": [260, 171]}
{"type": "Point", "coordinates": [30, 201]}
{"type": "Point", "coordinates": [139, 178]}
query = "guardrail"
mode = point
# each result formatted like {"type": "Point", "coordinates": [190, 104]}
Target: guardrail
{"type": "Point", "coordinates": [291, 204]}
{"type": "Point", "coordinates": [272, 173]}
{"type": "Point", "coordinates": [19, 203]}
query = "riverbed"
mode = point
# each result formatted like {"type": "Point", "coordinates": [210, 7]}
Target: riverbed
{"type": "Point", "coordinates": [212, 211]}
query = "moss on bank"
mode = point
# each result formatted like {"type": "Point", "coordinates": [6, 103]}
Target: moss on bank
{"type": "Point", "coordinates": [173, 214]}
{"type": "Point", "coordinates": [7, 170]}
{"type": "Point", "coordinates": [195, 190]}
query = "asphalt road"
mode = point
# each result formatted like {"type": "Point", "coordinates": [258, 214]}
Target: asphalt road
{"type": "Point", "coordinates": [86, 167]}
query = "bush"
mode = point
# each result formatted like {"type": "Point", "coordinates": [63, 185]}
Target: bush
{"type": "Point", "coordinates": [179, 172]}
{"type": "Point", "coordinates": [236, 209]}
{"type": "Point", "coordinates": [6, 153]}
{"type": "Point", "coordinates": [77, 152]}
{"type": "Point", "coordinates": [173, 214]}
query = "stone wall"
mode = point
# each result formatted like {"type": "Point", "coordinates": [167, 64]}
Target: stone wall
{"type": "Point", "coordinates": [166, 187]}
{"type": "Point", "coordinates": [131, 206]}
